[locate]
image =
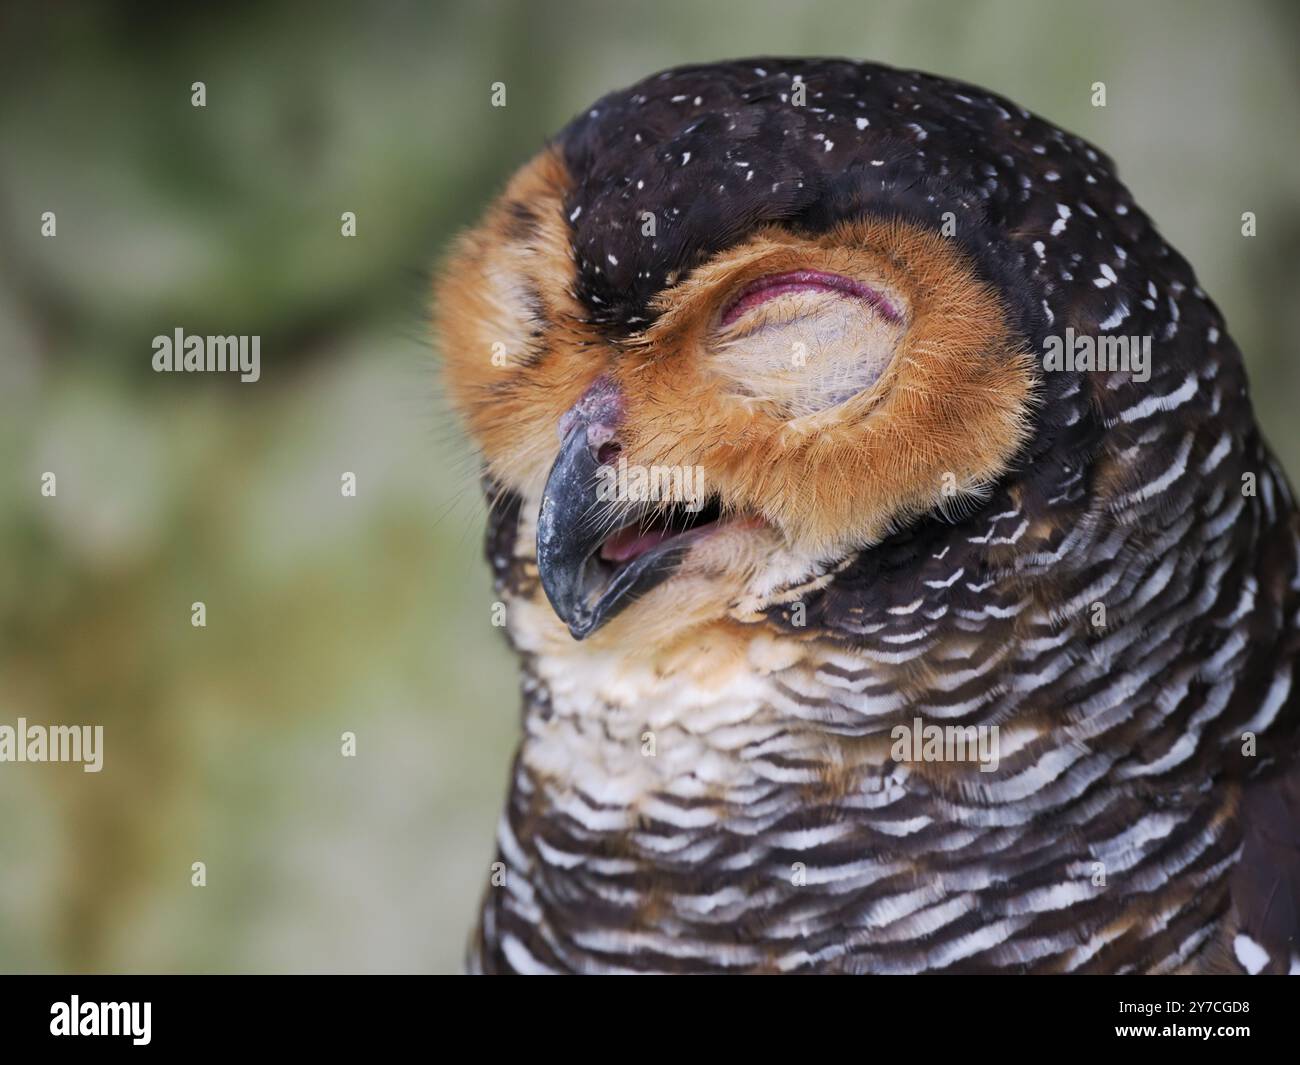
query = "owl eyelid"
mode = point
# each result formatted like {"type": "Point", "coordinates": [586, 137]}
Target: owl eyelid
{"type": "Point", "coordinates": [771, 286]}
{"type": "Point", "coordinates": [806, 355]}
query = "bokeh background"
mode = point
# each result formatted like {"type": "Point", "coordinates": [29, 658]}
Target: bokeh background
{"type": "Point", "coordinates": [372, 614]}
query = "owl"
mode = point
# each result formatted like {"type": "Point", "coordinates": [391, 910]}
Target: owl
{"type": "Point", "coordinates": [898, 576]}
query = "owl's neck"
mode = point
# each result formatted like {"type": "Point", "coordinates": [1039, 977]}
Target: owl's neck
{"type": "Point", "coordinates": [678, 722]}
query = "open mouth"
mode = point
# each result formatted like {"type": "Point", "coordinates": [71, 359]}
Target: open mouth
{"type": "Point", "coordinates": [634, 558]}
{"type": "Point", "coordinates": [756, 293]}
{"type": "Point", "coordinates": [638, 545]}
{"type": "Point", "coordinates": [596, 555]}
{"type": "Point", "coordinates": [602, 541]}
{"type": "Point", "coordinates": [632, 541]}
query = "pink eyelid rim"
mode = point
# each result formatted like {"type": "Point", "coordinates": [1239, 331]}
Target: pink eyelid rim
{"type": "Point", "coordinates": [768, 288]}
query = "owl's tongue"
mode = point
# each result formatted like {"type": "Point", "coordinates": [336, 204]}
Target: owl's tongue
{"type": "Point", "coordinates": [679, 522]}
{"type": "Point", "coordinates": [632, 542]}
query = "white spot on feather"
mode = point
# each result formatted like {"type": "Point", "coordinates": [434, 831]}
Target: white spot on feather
{"type": "Point", "coordinates": [1252, 956]}
{"type": "Point", "coordinates": [1116, 316]}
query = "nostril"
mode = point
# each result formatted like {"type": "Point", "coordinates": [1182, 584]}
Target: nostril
{"type": "Point", "coordinates": [608, 452]}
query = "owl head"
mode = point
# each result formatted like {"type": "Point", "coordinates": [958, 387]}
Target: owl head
{"type": "Point", "coordinates": [798, 341]}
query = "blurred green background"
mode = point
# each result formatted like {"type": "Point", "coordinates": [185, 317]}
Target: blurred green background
{"type": "Point", "coordinates": [372, 614]}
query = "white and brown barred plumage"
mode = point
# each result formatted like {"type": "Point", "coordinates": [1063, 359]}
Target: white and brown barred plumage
{"type": "Point", "coordinates": [706, 781]}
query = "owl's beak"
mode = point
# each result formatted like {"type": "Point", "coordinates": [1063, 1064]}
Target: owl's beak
{"type": "Point", "coordinates": [574, 521]}
{"type": "Point", "coordinates": [599, 545]}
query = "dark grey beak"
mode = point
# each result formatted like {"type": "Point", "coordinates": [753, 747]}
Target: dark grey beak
{"type": "Point", "coordinates": [574, 520]}
{"type": "Point", "coordinates": [583, 505]}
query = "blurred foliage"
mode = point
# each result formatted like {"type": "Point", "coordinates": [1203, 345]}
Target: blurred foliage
{"type": "Point", "coordinates": [371, 614]}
